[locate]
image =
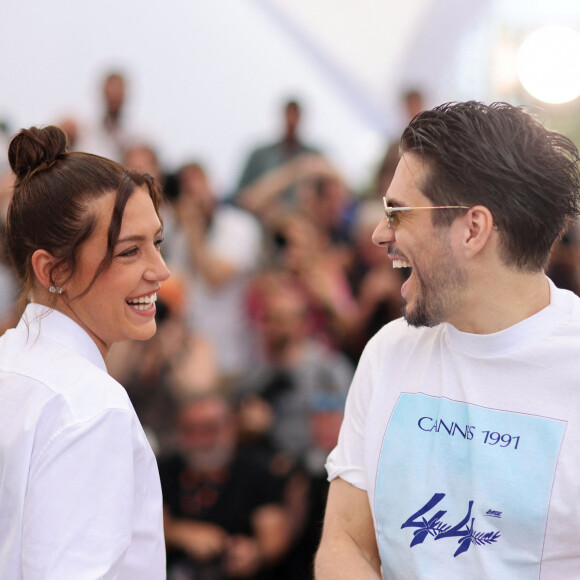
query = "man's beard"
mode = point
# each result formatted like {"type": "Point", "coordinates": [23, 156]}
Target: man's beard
{"type": "Point", "coordinates": [437, 291]}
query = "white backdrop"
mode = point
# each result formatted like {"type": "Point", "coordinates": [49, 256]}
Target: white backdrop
{"type": "Point", "coordinates": [207, 77]}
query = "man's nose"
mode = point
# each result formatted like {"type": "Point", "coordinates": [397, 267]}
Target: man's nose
{"type": "Point", "coordinates": [383, 234]}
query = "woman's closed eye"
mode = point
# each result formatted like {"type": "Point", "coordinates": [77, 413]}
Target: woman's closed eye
{"type": "Point", "coordinates": [128, 253]}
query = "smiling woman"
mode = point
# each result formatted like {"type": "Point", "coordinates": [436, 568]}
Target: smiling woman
{"type": "Point", "coordinates": [120, 303]}
{"type": "Point", "coordinates": [84, 237]}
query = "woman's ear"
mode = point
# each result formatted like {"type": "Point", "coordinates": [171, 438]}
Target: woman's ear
{"type": "Point", "coordinates": [43, 264]}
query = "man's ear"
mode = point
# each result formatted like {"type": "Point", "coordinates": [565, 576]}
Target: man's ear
{"type": "Point", "coordinates": [44, 264]}
{"type": "Point", "coordinates": [479, 228]}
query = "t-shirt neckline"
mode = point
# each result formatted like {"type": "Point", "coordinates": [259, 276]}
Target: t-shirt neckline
{"type": "Point", "coordinates": [516, 336]}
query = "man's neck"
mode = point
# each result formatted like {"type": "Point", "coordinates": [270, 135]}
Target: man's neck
{"type": "Point", "coordinates": [502, 300]}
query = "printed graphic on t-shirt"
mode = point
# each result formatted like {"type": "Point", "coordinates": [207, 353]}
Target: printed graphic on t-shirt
{"type": "Point", "coordinates": [462, 488]}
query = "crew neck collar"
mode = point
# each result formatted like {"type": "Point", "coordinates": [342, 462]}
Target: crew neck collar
{"type": "Point", "coordinates": [516, 336]}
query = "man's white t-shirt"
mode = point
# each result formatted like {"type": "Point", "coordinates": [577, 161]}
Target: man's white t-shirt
{"type": "Point", "coordinates": [469, 447]}
{"type": "Point", "coordinates": [80, 495]}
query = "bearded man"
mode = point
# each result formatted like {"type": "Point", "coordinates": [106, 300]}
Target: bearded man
{"type": "Point", "coordinates": [458, 454]}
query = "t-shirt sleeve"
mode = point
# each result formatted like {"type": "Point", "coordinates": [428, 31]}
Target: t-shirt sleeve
{"type": "Point", "coordinates": [347, 459]}
{"type": "Point", "coordinates": [77, 520]}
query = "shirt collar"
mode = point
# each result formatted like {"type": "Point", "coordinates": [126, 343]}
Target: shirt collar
{"type": "Point", "coordinates": [524, 332]}
{"type": "Point", "coordinates": [62, 329]}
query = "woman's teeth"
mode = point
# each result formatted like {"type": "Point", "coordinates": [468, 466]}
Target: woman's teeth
{"type": "Point", "coordinates": [401, 264]}
{"type": "Point", "coordinates": [143, 302]}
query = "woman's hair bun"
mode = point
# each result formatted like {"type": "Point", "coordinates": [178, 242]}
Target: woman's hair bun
{"type": "Point", "coordinates": [35, 149]}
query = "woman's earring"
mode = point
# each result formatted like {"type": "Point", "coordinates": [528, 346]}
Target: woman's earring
{"type": "Point", "coordinates": [55, 290]}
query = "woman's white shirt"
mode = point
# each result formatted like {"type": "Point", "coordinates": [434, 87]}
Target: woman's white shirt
{"type": "Point", "coordinates": [79, 487]}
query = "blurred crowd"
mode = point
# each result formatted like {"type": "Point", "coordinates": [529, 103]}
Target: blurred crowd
{"type": "Point", "coordinates": [275, 289]}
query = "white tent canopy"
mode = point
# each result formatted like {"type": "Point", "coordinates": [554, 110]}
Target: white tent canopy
{"type": "Point", "coordinates": [207, 78]}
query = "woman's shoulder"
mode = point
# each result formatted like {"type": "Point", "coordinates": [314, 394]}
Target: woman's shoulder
{"type": "Point", "coordinates": [52, 373]}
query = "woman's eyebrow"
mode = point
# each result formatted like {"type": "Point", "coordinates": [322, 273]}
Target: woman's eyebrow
{"type": "Point", "coordinates": [138, 238]}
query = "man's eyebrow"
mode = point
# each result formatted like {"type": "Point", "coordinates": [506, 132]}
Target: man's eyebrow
{"type": "Point", "coordinates": [392, 202]}
{"type": "Point", "coordinates": [138, 238]}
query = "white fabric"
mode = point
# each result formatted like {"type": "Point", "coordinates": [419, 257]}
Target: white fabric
{"type": "Point", "coordinates": [487, 427]}
{"type": "Point", "coordinates": [80, 495]}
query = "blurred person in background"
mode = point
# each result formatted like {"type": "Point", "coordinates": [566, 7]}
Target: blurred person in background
{"type": "Point", "coordinates": [266, 158]}
{"type": "Point", "coordinates": [306, 253]}
{"type": "Point", "coordinates": [375, 284]}
{"type": "Point", "coordinates": [224, 516]}
{"type": "Point", "coordinates": [144, 157]}
{"type": "Point", "coordinates": [217, 248]}
{"type": "Point", "coordinates": [5, 133]}
{"type": "Point", "coordinates": [293, 370]}
{"type": "Point", "coordinates": [112, 134]}
{"type": "Point", "coordinates": [267, 197]}
{"type": "Point", "coordinates": [564, 265]}
{"type": "Point", "coordinates": [307, 487]}
{"type": "Point", "coordinates": [385, 172]}
{"type": "Point", "coordinates": [8, 280]}
{"type": "Point", "coordinates": [322, 197]}
{"type": "Point", "coordinates": [71, 127]}
{"type": "Point", "coordinates": [9, 286]}
{"type": "Point", "coordinates": [412, 102]}
{"type": "Point", "coordinates": [290, 409]}
{"type": "Point", "coordinates": [328, 203]}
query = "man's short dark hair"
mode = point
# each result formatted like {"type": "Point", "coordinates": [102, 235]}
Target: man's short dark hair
{"type": "Point", "coordinates": [501, 157]}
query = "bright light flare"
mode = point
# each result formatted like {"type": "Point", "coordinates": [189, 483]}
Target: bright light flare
{"type": "Point", "coordinates": [548, 64]}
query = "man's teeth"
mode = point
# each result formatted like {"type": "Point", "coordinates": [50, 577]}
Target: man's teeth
{"type": "Point", "coordinates": [143, 302]}
{"type": "Point", "coordinates": [401, 264]}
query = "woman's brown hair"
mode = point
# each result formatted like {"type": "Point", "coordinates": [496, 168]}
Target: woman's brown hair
{"type": "Point", "coordinates": [50, 208]}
